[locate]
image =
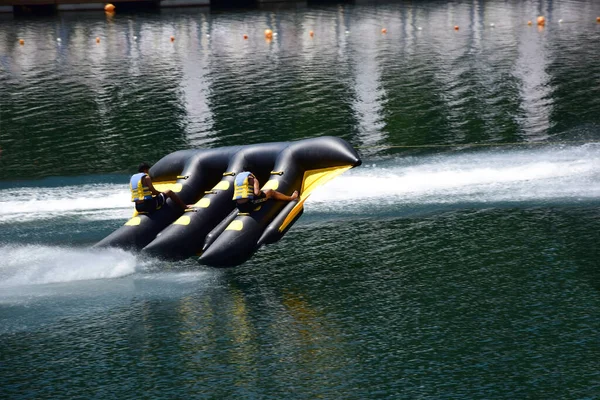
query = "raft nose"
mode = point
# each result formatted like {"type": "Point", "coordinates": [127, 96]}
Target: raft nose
{"type": "Point", "coordinates": [166, 250]}
{"type": "Point", "coordinates": [231, 248]}
{"type": "Point", "coordinates": [217, 257]}
{"type": "Point", "coordinates": [225, 256]}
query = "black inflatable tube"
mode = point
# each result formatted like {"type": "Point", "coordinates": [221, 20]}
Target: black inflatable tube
{"type": "Point", "coordinates": [200, 170]}
{"type": "Point", "coordinates": [217, 230]}
{"type": "Point", "coordinates": [185, 238]}
{"type": "Point", "coordinates": [272, 233]}
{"type": "Point", "coordinates": [243, 236]}
{"type": "Point", "coordinates": [214, 229]}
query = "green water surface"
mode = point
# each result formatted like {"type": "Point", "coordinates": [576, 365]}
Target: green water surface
{"type": "Point", "coordinates": [461, 261]}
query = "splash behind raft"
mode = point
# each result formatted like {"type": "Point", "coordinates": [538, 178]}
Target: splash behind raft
{"type": "Point", "coordinates": [214, 230]}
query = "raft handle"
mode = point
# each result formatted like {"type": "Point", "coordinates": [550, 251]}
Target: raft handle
{"type": "Point", "coordinates": [183, 176]}
{"type": "Point", "coordinates": [210, 192]}
{"type": "Point", "coordinates": [190, 210]}
{"type": "Point", "coordinates": [228, 173]}
{"type": "Point", "coordinates": [276, 172]}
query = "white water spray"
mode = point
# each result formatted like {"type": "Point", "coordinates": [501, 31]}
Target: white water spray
{"type": "Point", "coordinates": [34, 264]}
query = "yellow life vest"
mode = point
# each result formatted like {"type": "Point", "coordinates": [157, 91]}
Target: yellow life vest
{"type": "Point", "coordinates": [242, 188]}
{"type": "Point", "coordinates": [138, 190]}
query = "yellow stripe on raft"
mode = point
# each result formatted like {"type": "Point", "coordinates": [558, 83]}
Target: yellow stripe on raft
{"type": "Point", "coordinates": [183, 220]}
{"type": "Point", "coordinates": [223, 185]}
{"type": "Point", "coordinates": [312, 179]}
{"type": "Point", "coordinates": [167, 185]}
{"type": "Point", "coordinates": [133, 221]}
{"type": "Point", "coordinates": [272, 184]}
{"type": "Point", "coordinates": [203, 203]}
{"type": "Point", "coordinates": [235, 225]}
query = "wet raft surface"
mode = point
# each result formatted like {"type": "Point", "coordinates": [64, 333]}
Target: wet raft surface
{"type": "Point", "coordinates": [214, 229]}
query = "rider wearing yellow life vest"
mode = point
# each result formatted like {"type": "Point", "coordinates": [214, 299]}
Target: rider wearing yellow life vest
{"type": "Point", "coordinates": [146, 198]}
{"type": "Point", "coordinates": [247, 193]}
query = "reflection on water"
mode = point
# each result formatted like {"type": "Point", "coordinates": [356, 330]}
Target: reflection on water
{"type": "Point", "coordinates": [206, 332]}
{"type": "Point", "coordinates": [74, 106]}
{"type": "Point", "coordinates": [426, 306]}
{"type": "Point", "coordinates": [272, 338]}
{"type": "Point", "coordinates": [465, 274]}
{"type": "Point", "coordinates": [535, 90]}
{"type": "Point", "coordinates": [370, 93]}
{"type": "Point", "coordinates": [196, 88]}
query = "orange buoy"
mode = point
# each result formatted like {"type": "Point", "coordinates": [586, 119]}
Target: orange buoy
{"type": "Point", "coordinates": [21, 42]}
{"type": "Point", "coordinates": [384, 30]}
{"type": "Point", "coordinates": [311, 33]}
{"type": "Point", "coordinates": [529, 23]}
{"type": "Point", "coordinates": [268, 33]}
{"type": "Point", "coordinates": [541, 21]}
{"type": "Point", "coordinates": [245, 36]}
{"type": "Point", "coordinates": [97, 39]}
{"type": "Point", "coordinates": [456, 27]}
{"type": "Point", "coordinates": [109, 7]}
{"type": "Point", "coordinates": [598, 19]}
{"type": "Point", "coordinates": [172, 38]}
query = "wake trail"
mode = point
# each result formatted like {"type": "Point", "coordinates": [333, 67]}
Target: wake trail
{"type": "Point", "coordinates": [550, 174]}
{"type": "Point", "coordinates": [556, 175]}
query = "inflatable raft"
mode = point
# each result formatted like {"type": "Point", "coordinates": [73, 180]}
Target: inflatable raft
{"type": "Point", "coordinates": [213, 229]}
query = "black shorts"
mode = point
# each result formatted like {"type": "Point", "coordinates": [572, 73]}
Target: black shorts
{"type": "Point", "coordinates": [151, 205]}
{"type": "Point", "coordinates": [249, 206]}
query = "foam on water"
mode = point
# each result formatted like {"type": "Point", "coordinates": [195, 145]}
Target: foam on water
{"type": "Point", "coordinates": [109, 201]}
{"type": "Point", "coordinates": [36, 264]}
{"type": "Point", "coordinates": [548, 174]}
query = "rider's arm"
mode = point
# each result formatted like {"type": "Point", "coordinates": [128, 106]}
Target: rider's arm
{"type": "Point", "coordinates": [148, 182]}
{"type": "Point", "coordinates": [256, 186]}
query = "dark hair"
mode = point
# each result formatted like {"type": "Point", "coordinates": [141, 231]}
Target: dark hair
{"type": "Point", "coordinates": [246, 167]}
{"type": "Point", "coordinates": [143, 166]}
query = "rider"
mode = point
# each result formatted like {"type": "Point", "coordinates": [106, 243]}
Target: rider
{"type": "Point", "coordinates": [146, 197]}
{"type": "Point", "coordinates": [248, 195]}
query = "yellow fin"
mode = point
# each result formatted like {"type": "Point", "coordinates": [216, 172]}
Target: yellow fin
{"type": "Point", "coordinates": [312, 179]}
